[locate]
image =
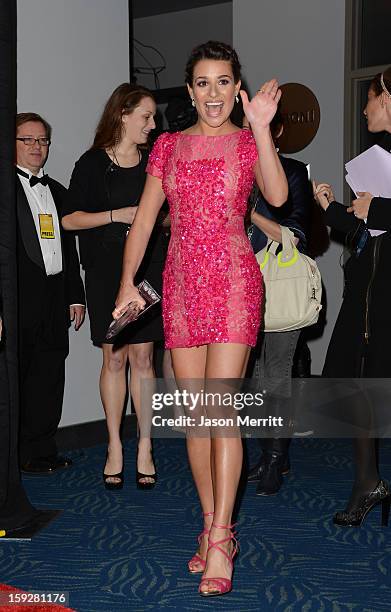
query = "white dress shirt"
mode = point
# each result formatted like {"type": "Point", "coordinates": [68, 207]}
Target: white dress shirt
{"type": "Point", "coordinates": [41, 201]}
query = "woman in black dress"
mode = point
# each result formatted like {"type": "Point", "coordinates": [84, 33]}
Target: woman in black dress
{"type": "Point", "coordinates": [359, 346]}
{"type": "Point", "coordinates": [104, 191]}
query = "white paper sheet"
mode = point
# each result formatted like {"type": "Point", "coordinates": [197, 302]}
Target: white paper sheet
{"type": "Point", "coordinates": [370, 171]}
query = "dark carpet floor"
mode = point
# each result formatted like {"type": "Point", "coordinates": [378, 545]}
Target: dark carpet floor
{"type": "Point", "coordinates": [128, 550]}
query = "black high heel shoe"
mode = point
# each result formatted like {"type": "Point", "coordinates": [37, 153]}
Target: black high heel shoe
{"type": "Point", "coordinates": [145, 486]}
{"type": "Point", "coordinates": [117, 484]}
{"type": "Point", "coordinates": [381, 494]}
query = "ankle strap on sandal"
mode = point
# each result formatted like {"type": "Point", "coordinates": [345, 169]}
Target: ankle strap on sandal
{"type": "Point", "coordinates": [207, 513]}
{"type": "Point", "coordinates": [224, 526]}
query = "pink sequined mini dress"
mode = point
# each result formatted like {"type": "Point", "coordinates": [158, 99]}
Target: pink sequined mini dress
{"type": "Point", "coordinates": [212, 285]}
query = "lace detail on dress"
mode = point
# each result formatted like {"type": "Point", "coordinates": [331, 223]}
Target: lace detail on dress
{"type": "Point", "coordinates": [212, 288]}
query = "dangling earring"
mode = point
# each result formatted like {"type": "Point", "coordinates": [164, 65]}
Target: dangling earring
{"type": "Point", "coordinates": [192, 102]}
{"type": "Point", "coordinates": [237, 99]}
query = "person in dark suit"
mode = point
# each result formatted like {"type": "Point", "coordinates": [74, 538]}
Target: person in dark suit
{"type": "Point", "coordinates": [50, 295]}
{"type": "Point", "coordinates": [276, 350]}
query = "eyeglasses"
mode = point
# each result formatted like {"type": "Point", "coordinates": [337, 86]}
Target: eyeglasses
{"type": "Point", "coordinates": [29, 141]}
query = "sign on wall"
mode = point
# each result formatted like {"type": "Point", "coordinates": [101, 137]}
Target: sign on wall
{"type": "Point", "coordinates": [301, 114]}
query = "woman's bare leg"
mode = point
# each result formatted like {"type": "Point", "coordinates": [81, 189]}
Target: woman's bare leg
{"type": "Point", "coordinates": [170, 385]}
{"type": "Point", "coordinates": [141, 368]}
{"type": "Point", "coordinates": [112, 387]}
{"type": "Point", "coordinates": [189, 364]}
{"type": "Point", "coordinates": [224, 361]}
{"type": "Point", "coordinates": [168, 371]}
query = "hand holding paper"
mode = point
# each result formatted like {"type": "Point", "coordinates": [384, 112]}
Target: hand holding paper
{"type": "Point", "coordinates": [360, 206]}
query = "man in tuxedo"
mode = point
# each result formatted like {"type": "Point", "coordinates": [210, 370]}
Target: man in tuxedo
{"type": "Point", "coordinates": [50, 295]}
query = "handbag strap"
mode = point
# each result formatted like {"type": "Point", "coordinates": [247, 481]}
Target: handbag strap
{"type": "Point", "coordinates": [288, 244]}
{"type": "Point", "coordinates": [272, 246]}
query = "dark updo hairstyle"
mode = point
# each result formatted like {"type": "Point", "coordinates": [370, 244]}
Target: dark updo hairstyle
{"type": "Point", "coordinates": [124, 99]}
{"type": "Point", "coordinates": [212, 50]}
{"type": "Point", "coordinates": [376, 85]}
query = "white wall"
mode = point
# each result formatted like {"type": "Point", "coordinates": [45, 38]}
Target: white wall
{"type": "Point", "coordinates": [303, 41]}
{"type": "Point", "coordinates": [71, 55]}
{"type": "Point", "coordinates": [175, 34]}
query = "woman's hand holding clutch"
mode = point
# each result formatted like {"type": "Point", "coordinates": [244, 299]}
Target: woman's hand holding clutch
{"type": "Point", "coordinates": [126, 295]}
{"type": "Point", "coordinates": [131, 303]}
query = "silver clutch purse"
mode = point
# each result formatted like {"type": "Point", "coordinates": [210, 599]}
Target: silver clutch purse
{"type": "Point", "coordinates": [133, 312]}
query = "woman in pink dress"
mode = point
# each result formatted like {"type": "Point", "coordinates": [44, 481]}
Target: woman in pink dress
{"type": "Point", "coordinates": [212, 292]}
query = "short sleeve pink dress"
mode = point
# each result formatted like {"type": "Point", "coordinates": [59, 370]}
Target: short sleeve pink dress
{"type": "Point", "coordinates": [212, 285]}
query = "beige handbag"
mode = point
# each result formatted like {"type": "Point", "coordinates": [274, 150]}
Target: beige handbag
{"type": "Point", "coordinates": [293, 287]}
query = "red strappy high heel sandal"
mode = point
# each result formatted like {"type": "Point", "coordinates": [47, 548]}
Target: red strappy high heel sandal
{"type": "Point", "coordinates": [196, 558]}
{"type": "Point", "coordinates": [221, 585]}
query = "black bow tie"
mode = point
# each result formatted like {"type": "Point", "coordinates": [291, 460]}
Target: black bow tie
{"type": "Point", "coordinates": [34, 180]}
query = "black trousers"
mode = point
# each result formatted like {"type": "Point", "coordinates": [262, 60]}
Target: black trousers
{"type": "Point", "coordinates": [43, 348]}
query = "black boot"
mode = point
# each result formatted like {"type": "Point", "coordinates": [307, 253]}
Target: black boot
{"type": "Point", "coordinates": [255, 473]}
{"type": "Point", "coordinates": [271, 477]}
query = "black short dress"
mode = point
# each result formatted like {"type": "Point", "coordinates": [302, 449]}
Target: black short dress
{"type": "Point", "coordinates": [97, 185]}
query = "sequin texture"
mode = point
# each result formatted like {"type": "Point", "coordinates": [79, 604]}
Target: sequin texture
{"type": "Point", "coordinates": [212, 285]}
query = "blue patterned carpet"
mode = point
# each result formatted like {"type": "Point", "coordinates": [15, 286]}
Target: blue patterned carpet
{"type": "Point", "coordinates": [128, 550]}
